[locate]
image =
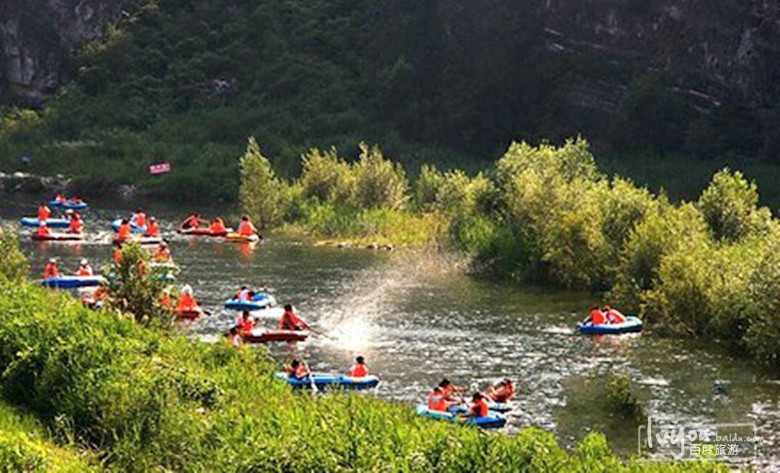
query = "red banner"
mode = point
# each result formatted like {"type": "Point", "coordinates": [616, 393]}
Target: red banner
{"type": "Point", "coordinates": [160, 168]}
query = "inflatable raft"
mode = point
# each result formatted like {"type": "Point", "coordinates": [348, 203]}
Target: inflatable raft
{"type": "Point", "coordinates": [143, 240]}
{"type": "Point", "coordinates": [69, 282]}
{"type": "Point", "coordinates": [632, 324]}
{"type": "Point", "coordinates": [490, 421]}
{"type": "Point", "coordinates": [493, 406]}
{"type": "Point", "coordinates": [204, 232]}
{"type": "Point", "coordinates": [134, 228]}
{"type": "Point", "coordinates": [331, 380]}
{"type": "Point", "coordinates": [50, 222]}
{"type": "Point", "coordinates": [58, 237]}
{"type": "Point", "coordinates": [69, 204]}
{"type": "Point", "coordinates": [262, 335]}
{"type": "Point", "coordinates": [189, 314]}
{"type": "Point", "coordinates": [259, 302]}
{"type": "Point", "coordinates": [238, 238]}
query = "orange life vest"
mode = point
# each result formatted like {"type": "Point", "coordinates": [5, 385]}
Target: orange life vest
{"type": "Point", "coordinates": [43, 231]}
{"type": "Point", "coordinates": [479, 409]}
{"type": "Point", "coordinates": [166, 301]}
{"type": "Point", "coordinates": [85, 270]}
{"type": "Point", "coordinates": [218, 226]}
{"type": "Point", "coordinates": [615, 317]}
{"type": "Point", "coordinates": [162, 254]}
{"type": "Point", "coordinates": [152, 230]}
{"type": "Point", "coordinates": [597, 317]}
{"type": "Point", "coordinates": [50, 271]}
{"type": "Point", "coordinates": [436, 402]}
{"type": "Point", "coordinates": [117, 257]}
{"type": "Point", "coordinates": [76, 225]}
{"type": "Point", "coordinates": [43, 213]}
{"type": "Point", "coordinates": [140, 219]}
{"type": "Point", "coordinates": [502, 394]}
{"type": "Point", "coordinates": [246, 228]}
{"type": "Point", "coordinates": [290, 321]}
{"type": "Point", "coordinates": [124, 232]}
{"type": "Point", "coordinates": [358, 371]}
{"type": "Point", "coordinates": [186, 303]}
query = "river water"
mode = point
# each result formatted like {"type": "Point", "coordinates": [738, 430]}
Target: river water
{"type": "Point", "coordinates": [416, 321]}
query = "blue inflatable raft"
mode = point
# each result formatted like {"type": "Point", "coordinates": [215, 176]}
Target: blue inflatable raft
{"type": "Point", "coordinates": [259, 302]}
{"type": "Point", "coordinates": [331, 380]}
{"type": "Point", "coordinates": [69, 204]}
{"type": "Point", "coordinates": [50, 222]}
{"type": "Point", "coordinates": [135, 229]}
{"type": "Point", "coordinates": [70, 282]}
{"type": "Point", "coordinates": [493, 406]}
{"type": "Point", "coordinates": [490, 421]}
{"type": "Point", "coordinates": [632, 324]}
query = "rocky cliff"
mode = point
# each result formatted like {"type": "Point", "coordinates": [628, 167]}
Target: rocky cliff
{"type": "Point", "coordinates": [37, 35]}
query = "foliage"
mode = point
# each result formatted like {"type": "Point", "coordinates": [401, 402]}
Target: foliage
{"type": "Point", "coordinates": [730, 207]}
{"type": "Point", "coordinates": [262, 194]}
{"type": "Point", "coordinates": [149, 401]}
{"type": "Point", "coordinates": [327, 178]}
{"type": "Point", "coordinates": [621, 397]}
{"type": "Point", "coordinates": [13, 264]}
{"type": "Point", "coordinates": [25, 447]}
{"type": "Point", "coordinates": [135, 287]}
{"type": "Point", "coordinates": [378, 181]}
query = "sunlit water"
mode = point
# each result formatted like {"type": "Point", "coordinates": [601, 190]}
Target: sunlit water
{"type": "Point", "coordinates": [416, 323]}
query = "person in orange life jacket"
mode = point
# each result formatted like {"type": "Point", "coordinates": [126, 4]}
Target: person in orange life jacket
{"type": "Point", "coordinates": [124, 231]}
{"type": "Point", "coordinates": [244, 322]}
{"type": "Point", "coordinates": [85, 269]}
{"type": "Point", "coordinates": [76, 225]}
{"type": "Point", "coordinates": [186, 301]}
{"type": "Point", "coordinates": [360, 369]}
{"type": "Point", "coordinates": [163, 253]}
{"type": "Point", "coordinates": [193, 221]}
{"type": "Point", "coordinates": [43, 230]}
{"type": "Point", "coordinates": [243, 293]}
{"type": "Point", "coordinates": [43, 213]}
{"type": "Point", "coordinates": [297, 369]}
{"type": "Point", "coordinates": [479, 407]}
{"type": "Point", "coordinates": [165, 299]}
{"type": "Point", "coordinates": [246, 228]}
{"type": "Point", "coordinates": [596, 316]}
{"type": "Point", "coordinates": [613, 315]}
{"type": "Point", "coordinates": [117, 255]}
{"type": "Point", "coordinates": [51, 270]}
{"type": "Point", "coordinates": [139, 218]}
{"type": "Point", "coordinates": [448, 389]}
{"type": "Point", "coordinates": [436, 401]}
{"type": "Point", "coordinates": [501, 392]}
{"type": "Point", "coordinates": [152, 230]}
{"type": "Point", "coordinates": [218, 226]}
{"type": "Point", "coordinates": [60, 198]}
{"type": "Point", "coordinates": [290, 321]}
{"type": "Point", "coordinates": [234, 337]}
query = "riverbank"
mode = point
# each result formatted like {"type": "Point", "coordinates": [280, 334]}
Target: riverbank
{"type": "Point", "coordinates": [147, 399]}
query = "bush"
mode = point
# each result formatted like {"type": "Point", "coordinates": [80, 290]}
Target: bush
{"type": "Point", "coordinates": [730, 207]}
{"type": "Point", "coordinates": [136, 288]}
{"type": "Point", "coordinates": [379, 182]}
{"type": "Point", "coordinates": [263, 196]}
{"type": "Point", "coordinates": [13, 264]}
{"type": "Point", "coordinates": [621, 397]}
{"type": "Point", "coordinates": [327, 178]}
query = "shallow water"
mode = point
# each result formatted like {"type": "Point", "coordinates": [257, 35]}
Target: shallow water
{"type": "Point", "coordinates": [416, 322]}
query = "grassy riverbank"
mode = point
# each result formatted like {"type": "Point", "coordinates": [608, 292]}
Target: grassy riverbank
{"type": "Point", "coordinates": [148, 400]}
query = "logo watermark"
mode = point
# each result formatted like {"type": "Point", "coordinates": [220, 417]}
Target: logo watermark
{"type": "Point", "coordinates": [698, 442]}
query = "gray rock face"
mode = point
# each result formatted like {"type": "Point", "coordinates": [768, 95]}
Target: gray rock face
{"type": "Point", "coordinates": [709, 48]}
{"type": "Point", "coordinates": [37, 35]}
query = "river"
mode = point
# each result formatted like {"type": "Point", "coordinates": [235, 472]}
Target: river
{"type": "Point", "coordinates": [416, 321]}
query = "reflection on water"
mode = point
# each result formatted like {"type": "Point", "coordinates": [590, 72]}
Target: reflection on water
{"type": "Point", "coordinates": [415, 323]}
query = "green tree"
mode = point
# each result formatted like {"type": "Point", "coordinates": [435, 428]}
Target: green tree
{"type": "Point", "coordinates": [380, 183]}
{"type": "Point", "coordinates": [262, 194]}
{"type": "Point", "coordinates": [730, 207]}
{"type": "Point", "coordinates": [13, 264]}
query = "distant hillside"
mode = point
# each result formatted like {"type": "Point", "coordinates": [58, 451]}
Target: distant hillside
{"type": "Point", "coordinates": [162, 79]}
